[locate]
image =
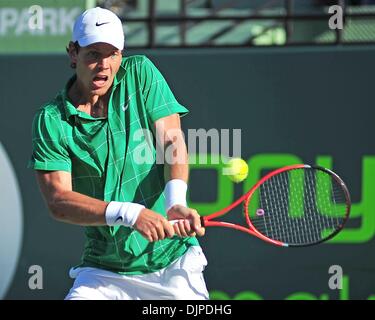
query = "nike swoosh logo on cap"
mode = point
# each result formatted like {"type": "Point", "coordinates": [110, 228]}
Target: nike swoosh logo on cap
{"type": "Point", "coordinates": [100, 24]}
{"type": "Point", "coordinates": [118, 219]}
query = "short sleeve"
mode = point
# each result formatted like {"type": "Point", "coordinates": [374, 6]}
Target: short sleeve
{"type": "Point", "coordinates": [158, 97]}
{"type": "Point", "coordinates": [49, 153]}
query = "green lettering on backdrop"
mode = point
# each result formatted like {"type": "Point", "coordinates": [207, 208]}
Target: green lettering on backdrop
{"type": "Point", "coordinates": [305, 296]}
{"type": "Point", "coordinates": [250, 295]}
{"type": "Point", "coordinates": [224, 185]}
{"type": "Point", "coordinates": [364, 209]}
{"type": "Point", "coordinates": [261, 162]}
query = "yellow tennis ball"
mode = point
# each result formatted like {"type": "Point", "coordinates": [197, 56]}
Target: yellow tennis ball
{"type": "Point", "coordinates": [237, 170]}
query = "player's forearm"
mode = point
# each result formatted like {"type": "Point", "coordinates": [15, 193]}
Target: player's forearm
{"type": "Point", "coordinates": [178, 171]}
{"type": "Point", "coordinates": [176, 159]}
{"type": "Point", "coordinates": [176, 181]}
{"type": "Point", "coordinates": [73, 207]}
{"type": "Point", "coordinates": [170, 138]}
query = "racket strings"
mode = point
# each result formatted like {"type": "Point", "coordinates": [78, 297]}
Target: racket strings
{"type": "Point", "coordinates": [300, 206]}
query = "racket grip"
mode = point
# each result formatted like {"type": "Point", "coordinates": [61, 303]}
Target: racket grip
{"type": "Point", "coordinates": [173, 222]}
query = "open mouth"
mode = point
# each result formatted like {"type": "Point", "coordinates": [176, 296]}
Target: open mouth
{"type": "Point", "coordinates": [100, 80]}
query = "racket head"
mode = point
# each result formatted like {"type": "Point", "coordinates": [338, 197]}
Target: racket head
{"type": "Point", "coordinates": [298, 205]}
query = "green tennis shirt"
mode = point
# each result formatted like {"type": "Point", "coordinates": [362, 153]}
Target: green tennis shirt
{"type": "Point", "coordinates": [114, 159]}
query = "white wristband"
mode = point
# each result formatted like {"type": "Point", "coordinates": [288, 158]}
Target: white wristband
{"type": "Point", "coordinates": [175, 193]}
{"type": "Point", "coordinates": [122, 213]}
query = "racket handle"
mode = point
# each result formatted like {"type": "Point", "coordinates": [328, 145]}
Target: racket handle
{"type": "Point", "coordinates": [173, 222]}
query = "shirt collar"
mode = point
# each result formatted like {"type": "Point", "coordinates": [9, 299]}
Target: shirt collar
{"type": "Point", "coordinates": [119, 75]}
{"type": "Point", "coordinates": [70, 109]}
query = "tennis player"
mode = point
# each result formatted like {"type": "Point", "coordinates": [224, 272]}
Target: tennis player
{"type": "Point", "coordinates": [97, 167]}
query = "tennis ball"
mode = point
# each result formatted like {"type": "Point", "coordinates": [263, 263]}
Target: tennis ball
{"type": "Point", "coordinates": [237, 170]}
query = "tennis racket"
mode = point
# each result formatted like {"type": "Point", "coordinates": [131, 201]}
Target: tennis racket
{"type": "Point", "coordinates": [298, 205]}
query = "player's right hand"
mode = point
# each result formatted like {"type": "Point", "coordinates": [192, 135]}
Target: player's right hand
{"type": "Point", "coordinates": [153, 226]}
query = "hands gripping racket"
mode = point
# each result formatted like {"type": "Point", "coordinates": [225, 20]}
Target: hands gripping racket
{"type": "Point", "coordinates": [297, 205]}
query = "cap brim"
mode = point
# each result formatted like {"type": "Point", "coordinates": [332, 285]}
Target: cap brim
{"type": "Point", "coordinates": [84, 42]}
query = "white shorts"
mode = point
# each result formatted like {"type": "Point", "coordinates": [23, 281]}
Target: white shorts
{"type": "Point", "coordinates": [182, 280]}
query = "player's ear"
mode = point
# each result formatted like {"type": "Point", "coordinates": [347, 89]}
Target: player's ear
{"type": "Point", "coordinates": [72, 50]}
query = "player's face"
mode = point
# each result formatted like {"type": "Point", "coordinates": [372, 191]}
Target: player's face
{"type": "Point", "coordinates": [97, 66]}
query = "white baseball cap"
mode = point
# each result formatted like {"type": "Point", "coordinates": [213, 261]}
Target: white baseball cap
{"type": "Point", "coordinates": [98, 25]}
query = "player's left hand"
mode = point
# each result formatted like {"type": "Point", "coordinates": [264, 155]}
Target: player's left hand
{"type": "Point", "coordinates": [189, 224]}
